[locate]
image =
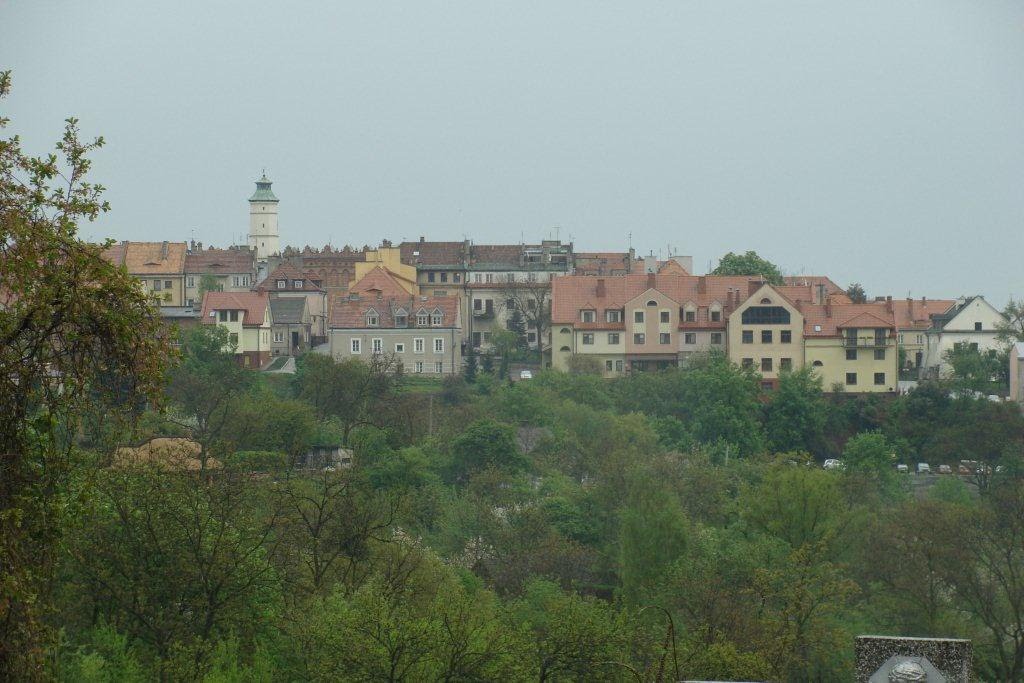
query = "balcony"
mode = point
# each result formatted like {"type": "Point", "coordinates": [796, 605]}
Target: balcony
{"type": "Point", "coordinates": [865, 342]}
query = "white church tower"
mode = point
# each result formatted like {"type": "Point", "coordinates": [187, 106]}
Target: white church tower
{"type": "Point", "coordinates": [263, 234]}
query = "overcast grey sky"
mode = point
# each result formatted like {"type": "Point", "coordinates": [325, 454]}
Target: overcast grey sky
{"type": "Point", "coordinates": [874, 140]}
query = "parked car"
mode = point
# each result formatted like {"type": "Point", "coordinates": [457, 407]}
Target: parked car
{"type": "Point", "coordinates": [903, 469]}
{"type": "Point", "coordinates": [525, 374]}
{"type": "Point", "coordinates": [945, 469]}
{"type": "Point", "coordinates": [924, 468]}
{"type": "Point", "coordinates": [833, 464]}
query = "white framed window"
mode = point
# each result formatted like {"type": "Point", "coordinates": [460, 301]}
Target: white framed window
{"type": "Point", "coordinates": [477, 277]}
{"type": "Point", "coordinates": [399, 348]}
{"type": "Point", "coordinates": [417, 345]}
{"type": "Point", "coordinates": [439, 367]}
{"type": "Point", "coordinates": [245, 280]}
{"type": "Point", "coordinates": [278, 337]}
{"type": "Point", "coordinates": [191, 281]}
{"type": "Point", "coordinates": [297, 284]}
{"type": "Point", "coordinates": [588, 316]}
{"type": "Point", "coordinates": [282, 284]}
{"type": "Point", "coordinates": [438, 344]}
{"type": "Point", "coordinates": [489, 278]}
{"type": "Point", "coordinates": [377, 345]}
{"type": "Point", "coordinates": [419, 367]}
{"type": "Point", "coordinates": [435, 319]}
{"type": "Point", "coordinates": [422, 319]}
{"type": "Point", "coordinates": [357, 346]}
{"type": "Point", "coordinates": [236, 281]}
{"type": "Point", "coordinates": [372, 319]}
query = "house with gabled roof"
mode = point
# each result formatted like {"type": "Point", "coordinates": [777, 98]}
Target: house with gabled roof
{"type": "Point", "coordinates": [288, 281]}
{"type": "Point", "coordinates": [248, 319]}
{"type": "Point", "coordinates": [380, 320]}
{"type": "Point", "coordinates": [159, 266]}
{"type": "Point", "coordinates": [290, 329]}
{"type": "Point", "coordinates": [852, 347]}
{"type": "Point", "coordinates": [228, 270]}
{"type": "Point", "coordinates": [971, 322]}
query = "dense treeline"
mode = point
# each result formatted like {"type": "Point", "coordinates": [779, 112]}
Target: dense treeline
{"type": "Point", "coordinates": [671, 524]}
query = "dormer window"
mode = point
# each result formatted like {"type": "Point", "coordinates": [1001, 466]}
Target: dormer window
{"type": "Point", "coordinates": [372, 319]}
{"type": "Point", "coordinates": [435, 319]}
{"type": "Point", "coordinates": [297, 284]}
{"type": "Point", "coordinates": [613, 315]}
{"type": "Point", "coordinates": [588, 315]}
{"type": "Point", "coordinates": [422, 318]}
{"type": "Point", "coordinates": [282, 284]}
{"type": "Point", "coordinates": [401, 318]}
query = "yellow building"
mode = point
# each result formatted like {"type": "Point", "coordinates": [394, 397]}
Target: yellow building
{"type": "Point", "coordinates": [390, 259]}
{"type": "Point", "coordinates": [853, 347]}
{"type": "Point", "coordinates": [247, 318]}
{"type": "Point", "coordinates": [766, 333]}
{"type": "Point", "coordinates": [159, 266]}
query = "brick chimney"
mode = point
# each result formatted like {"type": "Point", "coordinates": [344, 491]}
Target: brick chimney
{"type": "Point", "coordinates": [163, 250]}
{"type": "Point", "coordinates": [600, 288]}
{"type": "Point", "coordinates": [910, 307]}
{"type": "Point", "coordinates": [702, 284]}
{"type": "Point", "coordinates": [888, 304]}
{"type": "Point", "coordinates": [652, 281]}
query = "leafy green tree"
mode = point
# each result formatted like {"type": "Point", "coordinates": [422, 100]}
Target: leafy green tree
{"type": "Point", "coordinates": [796, 412]}
{"type": "Point", "coordinates": [78, 338]}
{"type": "Point", "coordinates": [796, 505]}
{"type": "Point", "coordinates": [973, 370]}
{"type": "Point", "coordinates": [1011, 328]}
{"type": "Point", "coordinates": [517, 326]}
{"type": "Point", "coordinates": [751, 264]}
{"type": "Point", "coordinates": [471, 366]}
{"type": "Point", "coordinates": [869, 462]}
{"type": "Point", "coordinates": [856, 293]}
{"type": "Point", "coordinates": [208, 283]}
{"type": "Point", "coordinates": [488, 364]}
{"type": "Point", "coordinates": [652, 536]}
{"type": "Point", "coordinates": [485, 443]}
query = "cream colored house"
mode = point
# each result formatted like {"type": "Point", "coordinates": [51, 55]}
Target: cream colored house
{"type": "Point", "coordinates": [852, 347]}
{"type": "Point", "coordinates": [913, 319]}
{"type": "Point", "coordinates": [159, 266]}
{"type": "Point", "coordinates": [248, 320]}
{"type": "Point", "coordinates": [766, 334]}
{"type": "Point", "coordinates": [971, 321]}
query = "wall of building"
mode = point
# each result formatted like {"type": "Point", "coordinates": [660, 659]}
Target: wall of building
{"type": "Point", "coordinates": [450, 357]}
{"type": "Point", "coordinates": [830, 352]}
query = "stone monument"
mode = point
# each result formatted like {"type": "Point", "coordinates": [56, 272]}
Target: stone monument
{"type": "Point", "coordinates": [889, 659]}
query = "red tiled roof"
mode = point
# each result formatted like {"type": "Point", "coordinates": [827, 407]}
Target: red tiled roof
{"type": "Point", "coordinates": [508, 254]}
{"type": "Point", "coordinates": [601, 263]}
{"type": "Point", "coordinates": [350, 312]}
{"type": "Point", "coordinates": [813, 281]}
{"type": "Point", "coordinates": [148, 258]}
{"type": "Point", "coordinates": [219, 261]}
{"type": "Point", "coordinates": [253, 303]}
{"type": "Point", "coordinates": [832, 319]}
{"type": "Point", "coordinates": [671, 267]}
{"type": "Point", "coordinates": [433, 253]}
{"type": "Point", "coordinates": [290, 273]}
{"type": "Point", "coordinates": [914, 313]}
{"type": "Point", "coordinates": [379, 280]}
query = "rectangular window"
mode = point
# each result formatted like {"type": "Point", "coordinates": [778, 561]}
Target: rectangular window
{"type": "Point", "coordinates": [489, 278]}
{"type": "Point", "coordinates": [439, 367]}
{"type": "Point", "coordinates": [748, 336]}
{"type": "Point", "coordinates": [419, 367]}
{"type": "Point", "coordinates": [613, 338]}
{"type": "Point", "coordinates": [401, 320]}
{"type": "Point", "coordinates": [748, 363]}
{"type": "Point", "coordinates": [664, 338]}
{"type": "Point", "coordinates": [766, 365]}
{"type": "Point", "coordinates": [234, 316]}
{"type": "Point", "coordinates": [282, 284]}
{"type": "Point", "coordinates": [510, 277]}
{"type": "Point", "coordinates": [786, 336]}
{"type": "Point", "coordinates": [456, 277]}
{"type": "Point", "coordinates": [478, 304]}
{"type": "Point", "coordinates": [233, 338]}
{"type": "Point", "coordinates": [879, 379]}
{"type": "Point", "coordinates": [236, 281]}
{"type": "Point", "coordinates": [417, 345]}
{"type": "Point", "coordinates": [431, 277]}
{"type": "Point", "coordinates": [191, 281]}
{"type": "Point", "coordinates": [421, 319]}
{"type": "Point", "coordinates": [879, 354]}
{"type": "Point", "coordinates": [476, 340]}
{"type": "Point", "coordinates": [690, 338]}
{"type": "Point", "coordinates": [618, 366]}
{"type": "Point", "coordinates": [399, 348]}
{"type": "Point", "coordinates": [785, 364]}
{"type": "Point", "coordinates": [222, 316]}
{"type": "Point", "coordinates": [444, 277]}
{"type": "Point", "coordinates": [766, 336]}
{"type": "Point", "coordinates": [357, 346]}
{"type": "Point", "coordinates": [613, 315]}
{"type": "Point", "coordinates": [851, 379]}
{"type": "Point", "coordinates": [716, 316]}
{"type": "Point", "coordinates": [977, 327]}
{"type": "Point", "coordinates": [638, 338]}
{"type": "Point", "coordinates": [377, 345]}
{"type": "Point", "coordinates": [435, 320]}
{"type": "Point", "coordinates": [372, 320]}
{"type": "Point", "coordinates": [851, 354]}
{"type": "Point", "coordinates": [665, 316]}
{"type": "Point", "coordinates": [588, 316]}
{"type": "Point", "coordinates": [880, 336]}
{"type": "Point", "coordinates": [588, 338]}
{"type": "Point", "coordinates": [245, 280]}
{"type": "Point", "coordinates": [691, 317]}
{"type": "Point", "coordinates": [638, 316]}
{"type": "Point", "coordinates": [608, 366]}
{"type": "Point", "coordinates": [716, 337]}
{"type": "Point", "coordinates": [278, 337]}
{"type": "Point", "coordinates": [973, 346]}
{"type": "Point", "coordinates": [476, 277]}
{"type": "Point", "coordinates": [157, 285]}
{"type": "Point", "coordinates": [167, 285]}
{"type": "Point", "coordinates": [439, 345]}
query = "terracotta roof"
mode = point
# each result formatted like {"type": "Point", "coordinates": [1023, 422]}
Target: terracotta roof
{"type": "Point", "coordinates": [290, 273]}
{"type": "Point", "coordinates": [670, 267]}
{"type": "Point", "coordinates": [148, 258]}
{"type": "Point", "coordinates": [379, 280]}
{"type": "Point", "coordinates": [601, 263]}
{"type": "Point", "coordinates": [219, 261]}
{"type": "Point", "coordinates": [350, 312]}
{"type": "Point", "coordinates": [253, 303]}
{"type": "Point", "coordinates": [916, 313]}
{"type": "Point", "coordinates": [572, 293]}
{"type": "Point", "coordinates": [497, 254]}
{"type": "Point", "coordinates": [812, 281]}
{"type": "Point", "coordinates": [423, 253]}
{"type": "Point", "coordinates": [832, 319]}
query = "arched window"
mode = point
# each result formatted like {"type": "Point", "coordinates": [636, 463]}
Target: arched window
{"type": "Point", "coordinates": [652, 302]}
{"type": "Point", "coordinates": [565, 330]}
{"type": "Point", "coordinates": [766, 300]}
{"type": "Point", "coordinates": [817, 364]}
{"type": "Point", "coordinates": [766, 315]}
{"type": "Point", "coordinates": [564, 348]}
